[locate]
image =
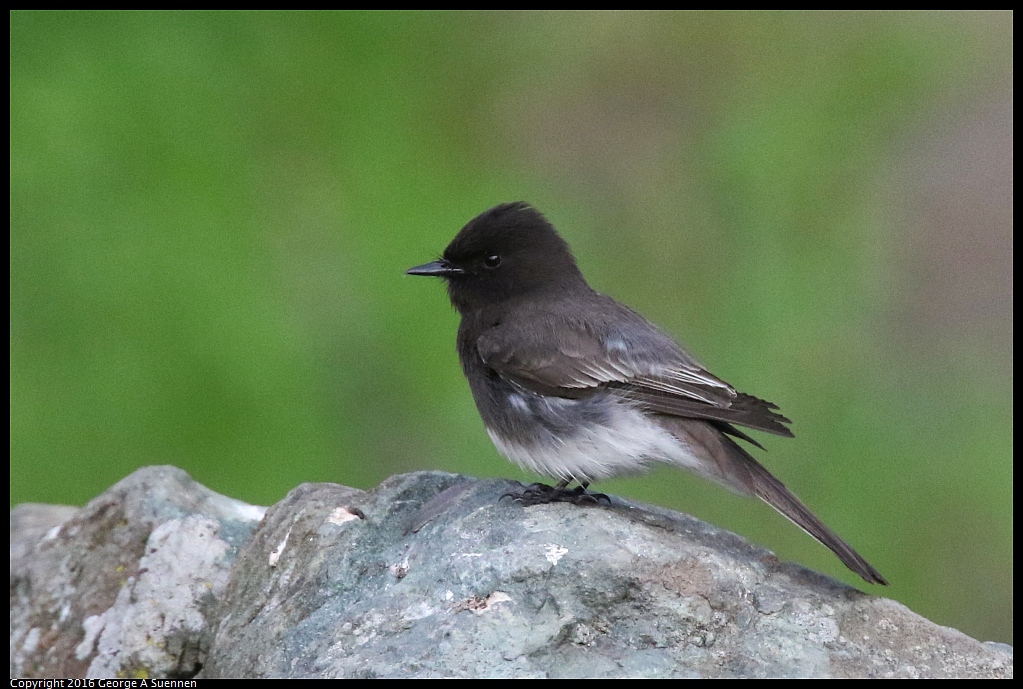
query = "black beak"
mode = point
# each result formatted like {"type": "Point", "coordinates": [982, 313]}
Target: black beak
{"type": "Point", "coordinates": [439, 268]}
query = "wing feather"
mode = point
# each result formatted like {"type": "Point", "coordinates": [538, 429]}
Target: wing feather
{"type": "Point", "coordinates": [642, 363]}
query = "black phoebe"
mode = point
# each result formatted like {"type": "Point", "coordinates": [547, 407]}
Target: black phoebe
{"type": "Point", "coordinates": [575, 386]}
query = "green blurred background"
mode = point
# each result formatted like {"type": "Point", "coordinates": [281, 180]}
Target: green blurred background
{"type": "Point", "coordinates": [211, 214]}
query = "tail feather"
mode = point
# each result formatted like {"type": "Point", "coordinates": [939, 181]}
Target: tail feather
{"type": "Point", "coordinates": [725, 461]}
{"type": "Point", "coordinates": [772, 491]}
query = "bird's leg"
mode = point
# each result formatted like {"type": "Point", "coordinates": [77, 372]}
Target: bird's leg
{"type": "Point", "coordinates": [590, 497]}
{"type": "Point", "coordinates": [542, 494]}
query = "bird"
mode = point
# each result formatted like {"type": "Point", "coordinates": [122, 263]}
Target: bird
{"type": "Point", "coordinates": [577, 387]}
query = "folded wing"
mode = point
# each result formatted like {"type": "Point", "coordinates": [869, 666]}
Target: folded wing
{"type": "Point", "coordinates": [627, 354]}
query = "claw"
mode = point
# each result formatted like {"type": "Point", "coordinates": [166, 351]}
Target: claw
{"type": "Point", "coordinates": [542, 494]}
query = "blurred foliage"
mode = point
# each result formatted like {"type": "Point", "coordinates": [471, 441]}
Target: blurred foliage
{"type": "Point", "coordinates": [211, 213]}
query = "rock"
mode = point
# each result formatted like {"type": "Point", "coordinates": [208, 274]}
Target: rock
{"type": "Point", "coordinates": [123, 586]}
{"type": "Point", "coordinates": [434, 575]}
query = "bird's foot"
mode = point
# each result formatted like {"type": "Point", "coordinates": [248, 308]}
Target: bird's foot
{"type": "Point", "coordinates": [542, 494]}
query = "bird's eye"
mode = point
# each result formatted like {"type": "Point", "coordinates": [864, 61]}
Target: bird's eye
{"type": "Point", "coordinates": [492, 261]}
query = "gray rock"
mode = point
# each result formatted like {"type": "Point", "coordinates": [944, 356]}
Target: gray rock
{"type": "Point", "coordinates": [434, 575]}
{"type": "Point", "coordinates": [123, 586]}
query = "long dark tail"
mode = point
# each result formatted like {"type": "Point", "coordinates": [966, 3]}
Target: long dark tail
{"type": "Point", "coordinates": [727, 462]}
{"type": "Point", "coordinates": [772, 491]}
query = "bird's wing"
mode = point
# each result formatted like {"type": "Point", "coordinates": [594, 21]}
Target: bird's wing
{"type": "Point", "coordinates": [625, 353]}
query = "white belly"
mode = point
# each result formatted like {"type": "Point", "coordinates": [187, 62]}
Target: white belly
{"type": "Point", "coordinates": [628, 444]}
